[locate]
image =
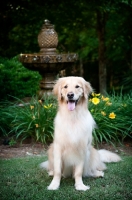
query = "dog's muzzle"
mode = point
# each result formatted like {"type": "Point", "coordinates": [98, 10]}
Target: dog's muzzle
{"type": "Point", "coordinates": [71, 102]}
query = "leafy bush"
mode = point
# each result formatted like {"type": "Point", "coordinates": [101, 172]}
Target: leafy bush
{"type": "Point", "coordinates": [127, 82]}
{"type": "Point", "coordinates": [16, 80]}
{"type": "Point", "coordinates": [6, 118]}
{"type": "Point", "coordinates": [113, 117]}
{"type": "Point", "coordinates": [35, 119]}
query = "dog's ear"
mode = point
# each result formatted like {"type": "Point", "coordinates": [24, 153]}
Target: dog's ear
{"type": "Point", "coordinates": [87, 89]}
{"type": "Point", "coordinates": [57, 89]}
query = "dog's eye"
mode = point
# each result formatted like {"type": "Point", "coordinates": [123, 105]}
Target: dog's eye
{"type": "Point", "coordinates": [65, 86]}
{"type": "Point", "coordinates": [77, 86]}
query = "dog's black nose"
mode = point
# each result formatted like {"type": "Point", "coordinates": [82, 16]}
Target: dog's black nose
{"type": "Point", "coordinates": [70, 95]}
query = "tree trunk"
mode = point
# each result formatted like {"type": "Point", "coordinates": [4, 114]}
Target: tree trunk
{"type": "Point", "coordinates": [81, 68]}
{"type": "Point", "coordinates": [101, 22]}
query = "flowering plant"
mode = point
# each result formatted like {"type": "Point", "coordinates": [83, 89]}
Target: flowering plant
{"type": "Point", "coordinates": [112, 114]}
{"type": "Point", "coordinates": [34, 119]}
{"type": "Point", "coordinates": [112, 117]}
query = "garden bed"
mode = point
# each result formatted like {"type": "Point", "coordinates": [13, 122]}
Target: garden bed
{"type": "Point", "coordinates": [38, 149]}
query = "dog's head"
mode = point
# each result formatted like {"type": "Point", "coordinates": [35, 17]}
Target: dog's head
{"type": "Point", "coordinates": [72, 90]}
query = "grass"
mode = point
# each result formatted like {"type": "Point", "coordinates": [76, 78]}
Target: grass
{"type": "Point", "coordinates": [21, 178]}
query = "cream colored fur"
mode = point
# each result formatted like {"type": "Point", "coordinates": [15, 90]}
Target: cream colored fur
{"type": "Point", "coordinates": [71, 153]}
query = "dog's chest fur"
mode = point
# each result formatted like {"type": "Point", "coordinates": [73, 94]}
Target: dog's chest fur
{"type": "Point", "coordinates": [73, 127]}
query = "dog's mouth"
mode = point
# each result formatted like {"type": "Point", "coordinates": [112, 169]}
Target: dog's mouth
{"type": "Point", "coordinates": [72, 104]}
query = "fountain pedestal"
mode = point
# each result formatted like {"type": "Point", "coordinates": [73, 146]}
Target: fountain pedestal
{"type": "Point", "coordinates": [47, 83]}
{"type": "Point", "coordinates": [48, 62]}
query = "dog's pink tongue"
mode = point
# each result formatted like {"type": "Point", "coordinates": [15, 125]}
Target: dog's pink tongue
{"type": "Point", "coordinates": [71, 105]}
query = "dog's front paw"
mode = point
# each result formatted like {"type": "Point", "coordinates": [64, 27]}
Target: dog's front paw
{"type": "Point", "coordinates": [100, 174]}
{"type": "Point", "coordinates": [54, 185]}
{"type": "Point", "coordinates": [82, 187]}
{"type": "Point", "coordinates": [51, 173]}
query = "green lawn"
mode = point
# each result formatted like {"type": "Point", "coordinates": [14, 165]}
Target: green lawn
{"type": "Point", "coordinates": [22, 179]}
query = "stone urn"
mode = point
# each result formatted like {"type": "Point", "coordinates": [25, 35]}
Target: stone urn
{"type": "Point", "coordinates": [48, 62]}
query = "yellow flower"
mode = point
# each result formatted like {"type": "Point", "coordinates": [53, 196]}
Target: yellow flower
{"type": "Point", "coordinates": [95, 100]}
{"type": "Point", "coordinates": [95, 95]}
{"type": "Point", "coordinates": [48, 106]}
{"type": "Point", "coordinates": [92, 110]}
{"type": "Point", "coordinates": [112, 115]}
{"type": "Point", "coordinates": [108, 103]}
{"type": "Point", "coordinates": [36, 125]}
{"type": "Point", "coordinates": [103, 113]}
{"type": "Point", "coordinates": [31, 107]}
{"type": "Point", "coordinates": [105, 98]}
{"type": "Point", "coordinates": [40, 101]}
{"type": "Point", "coordinates": [125, 105]}
{"type": "Point", "coordinates": [33, 117]}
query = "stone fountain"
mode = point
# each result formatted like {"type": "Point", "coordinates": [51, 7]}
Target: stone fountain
{"type": "Point", "coordinates": [48, 61]}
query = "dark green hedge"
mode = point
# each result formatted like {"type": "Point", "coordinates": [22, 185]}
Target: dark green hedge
{"type": "Point", "coordinates": [16, 80]}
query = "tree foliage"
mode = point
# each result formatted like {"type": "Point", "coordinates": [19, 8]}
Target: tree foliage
{"type": "Point", "coordinates": [100, 31]}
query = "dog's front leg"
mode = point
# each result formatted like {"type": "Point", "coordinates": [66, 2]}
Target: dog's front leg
{"type": "Point", "coordinates": [55, 183]}
{"type": "Point", "coordinates": [78, 178]}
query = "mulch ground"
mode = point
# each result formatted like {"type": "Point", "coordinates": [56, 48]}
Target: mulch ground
{"type": "Point", "coordinates": [38, 149]}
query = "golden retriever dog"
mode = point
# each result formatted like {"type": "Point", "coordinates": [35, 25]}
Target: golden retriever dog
{"type": "Point", "coordinates": [71, 153]}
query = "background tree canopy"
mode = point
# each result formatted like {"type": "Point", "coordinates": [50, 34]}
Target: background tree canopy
{"type": "Point", "coordinates": [99, 31]}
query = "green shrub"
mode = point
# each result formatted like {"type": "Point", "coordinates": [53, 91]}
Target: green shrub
{"type": "Point", "coordinates": [33, 119]}
{"type": "Point", "coordinates": [16, 80]}
{"type": "Point", "coordinates": [127, 82]}
{"type": "Point", "coordinates": [112, 114]}
{"type": "Point", "coordinates": [6, 118]}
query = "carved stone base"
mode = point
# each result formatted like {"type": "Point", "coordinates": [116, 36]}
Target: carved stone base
{"type": "Point", "coordinates": [46, 84]}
